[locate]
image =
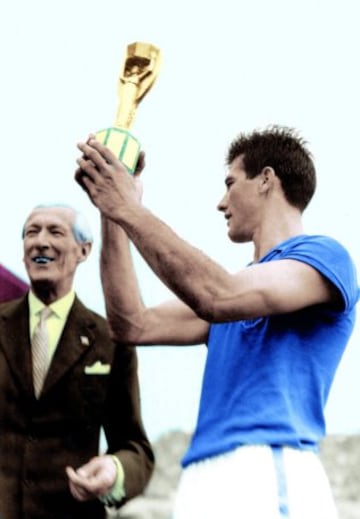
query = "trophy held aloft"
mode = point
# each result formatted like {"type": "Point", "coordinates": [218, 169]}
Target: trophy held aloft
{"type": "Point", "coordinates": [137, 76]}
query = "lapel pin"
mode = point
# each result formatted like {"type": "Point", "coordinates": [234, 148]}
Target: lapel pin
{"type": "Point", "coordinates": [84, 340]}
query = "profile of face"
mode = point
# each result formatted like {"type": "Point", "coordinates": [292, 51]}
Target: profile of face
{"type": "Point", "coordinates": [241, 202]}
{"type": "Point", "coordinates": [51, 252]}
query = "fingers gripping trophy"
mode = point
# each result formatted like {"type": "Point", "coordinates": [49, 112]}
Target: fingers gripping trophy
{"type": "Point", "coordinates": [138, 74]}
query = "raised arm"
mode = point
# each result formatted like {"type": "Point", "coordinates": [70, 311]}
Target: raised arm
{"type": "Point", "coordinates": [213, 294]}
{"type": "Point", "coordinates": [130, 321]}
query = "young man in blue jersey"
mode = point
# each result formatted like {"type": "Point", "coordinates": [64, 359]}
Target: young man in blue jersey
{"type": "Point", "coordinates": [275, 330]}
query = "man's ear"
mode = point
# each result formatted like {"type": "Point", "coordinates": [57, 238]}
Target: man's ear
{"type": "Point", "coordinates": [85, 251]}
{"type": "Point", "coordinates": [267, 178]}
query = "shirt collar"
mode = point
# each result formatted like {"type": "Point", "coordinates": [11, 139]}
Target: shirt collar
{"type": "Point", "coordinates": [61, 307]}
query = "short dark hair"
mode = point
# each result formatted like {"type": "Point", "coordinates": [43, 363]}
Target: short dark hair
{"type": "Point", "coordinates": [282, 149]}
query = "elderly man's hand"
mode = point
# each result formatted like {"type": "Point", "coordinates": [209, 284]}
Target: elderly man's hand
{"type": "Point", "coordinates": [94, 479]}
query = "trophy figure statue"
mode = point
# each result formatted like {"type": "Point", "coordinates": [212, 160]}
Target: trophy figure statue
{"type": "Point", "coordinates": [138, 74]}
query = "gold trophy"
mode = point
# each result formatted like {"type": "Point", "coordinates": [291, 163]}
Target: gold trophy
{"type": "Point", "coordinates": [137, 76]}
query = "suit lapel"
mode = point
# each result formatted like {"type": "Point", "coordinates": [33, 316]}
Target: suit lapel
{"type": "Point", "coordinates": [15, 341]}
{"type": "Point", "coordinates": [77, 337]}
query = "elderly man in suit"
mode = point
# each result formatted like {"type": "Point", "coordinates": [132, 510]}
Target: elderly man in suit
{"type": "Point", "coordinates": [53, 405]}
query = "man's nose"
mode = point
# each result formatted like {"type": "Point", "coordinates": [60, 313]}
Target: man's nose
{"type": "Point", "coordinates": [222, 204]}
{"type": "Point", "coordinates": [42, 238]}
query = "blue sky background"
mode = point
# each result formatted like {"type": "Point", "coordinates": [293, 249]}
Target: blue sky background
{"type": "Point", "coordinates": [228, 66]}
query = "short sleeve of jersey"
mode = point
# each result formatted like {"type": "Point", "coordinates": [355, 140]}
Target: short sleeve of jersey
{"type": "Point", "coordinates": [331, 259]}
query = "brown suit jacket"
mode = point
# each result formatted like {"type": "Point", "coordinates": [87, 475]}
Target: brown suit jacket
{"type": "Point", "coordinates": [39, 438]}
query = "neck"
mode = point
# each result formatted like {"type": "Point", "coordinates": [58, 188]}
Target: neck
{"type": "Point", "coordinates": [275, 229]}
{"type": "Point", "coordinates": [47, 293]}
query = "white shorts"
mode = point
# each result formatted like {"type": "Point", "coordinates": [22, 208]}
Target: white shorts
{"type": "Point", "coordinates": [256, 482]}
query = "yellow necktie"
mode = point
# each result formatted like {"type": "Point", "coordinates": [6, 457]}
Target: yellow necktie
{"type": "Point", "coordinates": [40, 351]}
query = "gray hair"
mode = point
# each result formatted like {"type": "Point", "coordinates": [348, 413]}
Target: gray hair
{"type": "Point", "coordinates": [81, 228]}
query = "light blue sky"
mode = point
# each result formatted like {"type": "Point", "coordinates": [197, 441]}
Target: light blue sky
{"type": "Point", "coordinates": [227, 66]}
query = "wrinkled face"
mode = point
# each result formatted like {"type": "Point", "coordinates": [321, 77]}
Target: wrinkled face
{"type": "Point", "coordinates": [51, 253]}
{"type": "Point", "coordinates": [240, 203]}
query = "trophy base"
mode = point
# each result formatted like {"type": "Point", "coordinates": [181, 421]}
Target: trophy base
{"type": "Point", "coordinates": [123, 144]}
